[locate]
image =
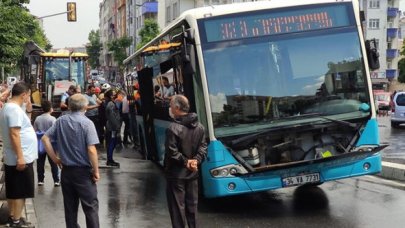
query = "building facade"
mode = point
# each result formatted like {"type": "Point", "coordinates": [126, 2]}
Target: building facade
{"type": "Point", "coordinates": [382, 23]}
{"type": "Point", "coordinates": [137, 12]}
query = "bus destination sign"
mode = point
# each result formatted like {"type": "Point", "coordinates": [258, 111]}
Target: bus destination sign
{"type": "Point", "coordinates": [273, 23]}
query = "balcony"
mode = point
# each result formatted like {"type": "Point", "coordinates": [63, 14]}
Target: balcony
{"type": "Point", "coordinates": [392, 53]}
{"type": "Point", "coordinates": [391, 73]}
{"type": "Point", "coordinates": [392, 32]}
{"type": "Point", "coordinates": [392, 12]}
{"type": "Point", "coordinates": [149, 7]}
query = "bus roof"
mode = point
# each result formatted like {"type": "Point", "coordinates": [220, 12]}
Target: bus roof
{"type": "Point", "coordinates": [218, 10]}
{"type": "Point", "coordinates": [64, 55]}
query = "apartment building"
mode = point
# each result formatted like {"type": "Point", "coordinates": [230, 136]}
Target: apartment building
{"type": "Point", "coordinates": [171, 9]}
{"type": "Point", "coordinates": [137, 12]}
{"type": "Point", "coordinates": [106, 31]}
{"type": "Point", "coordinates": [382, 23]}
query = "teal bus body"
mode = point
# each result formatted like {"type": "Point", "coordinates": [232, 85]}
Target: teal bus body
{"type": "Point", "coordinates": [218, 155]}
{"type": "Point", "coordinates": [282, 88]}
{"type": "Point", "coordinates": [346, 167]}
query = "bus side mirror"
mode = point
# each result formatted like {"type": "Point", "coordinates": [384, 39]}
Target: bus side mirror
{"type": "Point", "coordinates": [189, 59]}
{"type": "Point", "coordinates": [372, 54]}
{"type": "Point", "coordinates": [189, 35]}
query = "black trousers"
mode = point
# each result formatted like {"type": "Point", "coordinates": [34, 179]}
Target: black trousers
{"type": "Point", "coordinates": [41, 168]}
{"type": "Point", "coordinates": [127, 129]}
{"type": "Point", "coordinates": [182, 200]}
{"type": "Point", "coordinates": [100, 132]}
{"type": "Point", "coordinates": [77, 184]}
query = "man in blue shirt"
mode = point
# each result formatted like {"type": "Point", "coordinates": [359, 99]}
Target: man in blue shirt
{"type": "Point", "coordinates": [76, 138]}
{"type": "Point", "coordinates": [65, 96]}
{"type": "Point", "coordinates": [92, 108]}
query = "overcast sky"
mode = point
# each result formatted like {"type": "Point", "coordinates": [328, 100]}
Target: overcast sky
{"type": "Point", "coordinates": [74, 34]}
{"type": "Point", "coordinates": [59, 31]}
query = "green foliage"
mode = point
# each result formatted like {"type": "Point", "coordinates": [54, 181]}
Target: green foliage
{"type": "Point", "coordinates": [401, 68]}
{"type": "Point", "coordinates": [149, 31]}
{"type": "Point", "coordinates": [17, 26]}
{"type": "Point", "coordinates": [94, 48]}
{"type": "Point", "coordinates": [401, 65]}
{"type": "Point", "coordinates": [118, 47]}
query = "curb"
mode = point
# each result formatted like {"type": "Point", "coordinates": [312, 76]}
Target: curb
{"type": "Point", "coordinates": [393, 171]}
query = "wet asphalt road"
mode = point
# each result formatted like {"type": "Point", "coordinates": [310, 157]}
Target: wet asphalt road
{"type": "Point", "coordinates": [394, 137]}
{"type": "Point", "coordinates": [134, 196]}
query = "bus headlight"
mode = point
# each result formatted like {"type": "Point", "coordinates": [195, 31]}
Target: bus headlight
{"type": "Point", "coordinates": [228, 171]}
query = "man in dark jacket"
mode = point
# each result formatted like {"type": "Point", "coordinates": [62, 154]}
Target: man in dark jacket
{"type": "Point", "coordinates": [186, 148]}
{"type": "Point", "coordinates": [112, 127]}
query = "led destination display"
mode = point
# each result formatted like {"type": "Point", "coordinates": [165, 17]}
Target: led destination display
{"type": "Point", "coordinates": [276, 22]}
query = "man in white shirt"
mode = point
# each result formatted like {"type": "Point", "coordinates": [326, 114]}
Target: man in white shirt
{"type": "Point", "coordinates": [20, 151]}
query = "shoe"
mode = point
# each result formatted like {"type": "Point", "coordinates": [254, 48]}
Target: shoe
{"type": "Point", "coordinates": [40, 183]}
{"type": "Point", "coordinates": [20, 223]}
{"type": "Point", "coordinates": [57, 184]}
{"type": "Point", "coordinates": [113, 163]}
{"type": "Point", "coordinates": [9, 221]}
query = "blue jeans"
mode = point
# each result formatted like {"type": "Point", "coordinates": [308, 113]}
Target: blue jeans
{"type": "Point", "coordinates": [41, 168]}
{"type": "Point", "coordinates": [111, 139]}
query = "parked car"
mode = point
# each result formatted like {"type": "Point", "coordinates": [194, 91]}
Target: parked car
{"type": "Point", "coordinates": [383, 102]}
{"type": "Point", "coordinates": [398, 109]}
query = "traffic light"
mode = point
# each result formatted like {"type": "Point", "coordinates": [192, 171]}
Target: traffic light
{"type": "Point", "coordinates": [71, 11]}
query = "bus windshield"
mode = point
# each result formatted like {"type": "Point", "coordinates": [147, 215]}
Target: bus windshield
{"type": "Point", "coordinates": [57, 69]}
{"type": "Point", "coordinates": [268, 78]}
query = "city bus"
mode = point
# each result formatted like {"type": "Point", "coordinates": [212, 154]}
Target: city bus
{"type": "Point", "coordinates": [282, 87]}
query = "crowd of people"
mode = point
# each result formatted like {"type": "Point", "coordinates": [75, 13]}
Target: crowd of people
{"type": "Point", "coordinates": [89, 120]}
{"type": "Point", "coordinates": [108, 109]}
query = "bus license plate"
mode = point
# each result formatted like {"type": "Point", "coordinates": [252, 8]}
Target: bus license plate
{"type": "Point", "coordinates": [301, 179]}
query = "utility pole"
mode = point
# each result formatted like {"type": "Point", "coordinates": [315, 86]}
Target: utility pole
{"type": "Point", "coordinates": [71, 12]}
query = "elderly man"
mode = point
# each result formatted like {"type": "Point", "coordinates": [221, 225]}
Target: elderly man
{"type": "Point", "coordinates": [186, 148]}
{"type": "Point", "coordinates": [76, 138]}
{"type": "Point", "coordinates": [20, 151]}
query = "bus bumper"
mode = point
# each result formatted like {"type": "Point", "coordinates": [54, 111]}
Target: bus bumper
{"type": "Point", "coordinates": [268, 180]}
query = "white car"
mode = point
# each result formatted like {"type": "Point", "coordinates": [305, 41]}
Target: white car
{"type": "Point", "coordinates": [398, 109]}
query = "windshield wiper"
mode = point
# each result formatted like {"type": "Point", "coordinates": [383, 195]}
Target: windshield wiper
{"type": "Point", "coordinates": [320, 115]}
{"type": "Point", "coordinates": [342, 122]}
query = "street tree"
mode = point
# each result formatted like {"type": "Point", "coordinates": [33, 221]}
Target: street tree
{"type": "Point", "coordinates": [401, 66]}
{"type": "Point", "coordinates": [94, 48]}
{"type": "Point", "coordinates": [17, 26]}
{"type": "Point", "coordinates": [149, 31]}
{"type": "Point", "coordinates": [118, 48]}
